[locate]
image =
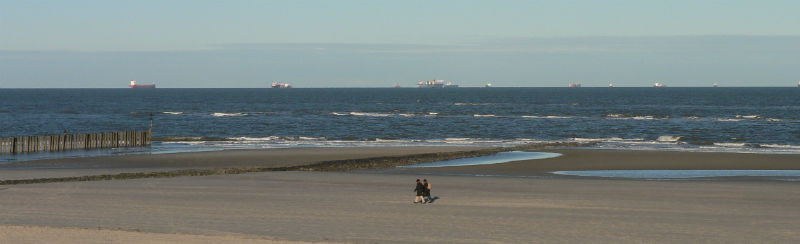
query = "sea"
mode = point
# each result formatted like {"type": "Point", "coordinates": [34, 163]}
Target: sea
{"type": "Point", "coordinates": [746, 120]}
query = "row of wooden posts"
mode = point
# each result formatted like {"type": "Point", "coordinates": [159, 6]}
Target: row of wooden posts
{"type": "Point", "coordinates": [64, 142]}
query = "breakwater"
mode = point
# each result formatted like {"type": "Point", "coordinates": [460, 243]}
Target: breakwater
{"type": "Point", "coordinates": [65, 142]}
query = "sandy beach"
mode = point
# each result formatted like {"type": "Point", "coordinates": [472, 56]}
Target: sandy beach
{"type": "Point", "coordinates": [376, 207]}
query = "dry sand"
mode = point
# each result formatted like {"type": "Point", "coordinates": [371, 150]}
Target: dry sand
{"type": "Point", "coordinates": [367, 208]}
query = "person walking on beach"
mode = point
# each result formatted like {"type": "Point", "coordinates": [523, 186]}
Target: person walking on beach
{"type": "Point", "coordinates": [420, 190]}
{"type": "Point", "coordinates": [426, 191]}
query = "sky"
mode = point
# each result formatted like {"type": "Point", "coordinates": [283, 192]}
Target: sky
{"type": "Point", "coordinates": [374, 43]}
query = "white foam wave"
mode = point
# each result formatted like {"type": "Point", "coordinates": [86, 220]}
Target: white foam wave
{"type": "Point", "coordinates": [367, 114]}
{"type": "Point", "coordinates": [474, 104]}
{"type": "Point", "coordinates": [370, 114]}
{"type": "Point", "coordinates": [663, 143]}
{"type": "Point", "coordinates": [307, 138]}
{"type": "Point", "coordinates": [228, 114]}
{"type": "Point", "coordinates": [634, 117]}
{"type": "Point", "coordinates": [748, 116]}
{"type": "Point", "coordinates": [484, 115]}
{"type": "Point", "coordinates": [781, 146]}
{"type": "Point", "coordinates": [545, 117]}
{"type": "Point", "coordinates": [610, 139]}
{"type": "Point", "coordinates": [774, 120]}
{"type": "Point", "coordinates": [669, 138]}
{"type": "Point", "coordinates": [729, 144]}
{"type": "Point", "coordinates": [727, 120]}
{"type": "Point", "coordinates": [173, 113]}
{"type": "Point", "coordinates": [269, 138]}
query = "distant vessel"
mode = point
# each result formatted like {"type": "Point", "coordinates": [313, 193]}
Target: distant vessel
{"type": "Point", "coordinates": [610, 84]}
{"type": "Point", "coordinates": [658, 84]}
{"type": "Point", "coordinates": [134, 85]}
{"type": "Point", "coordinates": [488, 85]}
{"type": "Point", "coordinates": [396, 85]}
{"type": "Point", "coordinates": [276, 84]}
{"type": "Point", "coordinates": [436, 84]}
{"type": "Point", "coordinates": [574, 85]}
{"type": "Point", "coordinates": [716, 84]}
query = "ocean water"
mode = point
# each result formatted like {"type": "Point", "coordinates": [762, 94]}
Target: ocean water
{"type": "Point", "coordinates": [758, 120]}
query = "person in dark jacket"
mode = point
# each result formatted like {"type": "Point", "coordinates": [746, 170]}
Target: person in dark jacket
{"type": "Point", "coordinates": [426, 191]}
{"type": "Point", "coordinates": [420, 190]}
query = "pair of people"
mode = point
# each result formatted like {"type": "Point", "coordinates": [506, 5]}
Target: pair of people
{"type": "Point", "coordinates": [423, 190]}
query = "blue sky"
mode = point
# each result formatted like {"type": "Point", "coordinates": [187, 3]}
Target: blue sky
{"type": "Point", "coordinates": [54, 44]}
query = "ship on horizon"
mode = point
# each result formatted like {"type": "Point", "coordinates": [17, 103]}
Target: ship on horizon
{"type": "Point", "coordinates": [276, 84]}
{"type": "Point", "coordinates": [134, 85]}
{"type": "Point", "coordinates": [436, 84]}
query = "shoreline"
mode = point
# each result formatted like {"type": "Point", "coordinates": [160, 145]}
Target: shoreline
{"type": "Point", "coordinates": [382, 160]}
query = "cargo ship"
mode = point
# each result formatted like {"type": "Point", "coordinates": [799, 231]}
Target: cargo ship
{"type": "Point", "coordinates": [134, 85]}
{"type": "Point", "coordinates": [436, 84]}
{"type": "Point", "coordinates": [276, 84]}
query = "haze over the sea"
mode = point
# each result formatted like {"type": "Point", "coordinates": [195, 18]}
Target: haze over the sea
{"type": "Point", "coordinates": [188, 44]}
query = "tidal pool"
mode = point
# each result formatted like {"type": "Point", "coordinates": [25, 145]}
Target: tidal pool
{"type": "Point", "coordinates": [679, 174]}
{"type": "Point", "coordinates": [502, 157]}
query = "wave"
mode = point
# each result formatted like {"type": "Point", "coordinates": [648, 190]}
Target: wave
{"type": "Point", "coordinates": [662, 143]}
{"type": "Point", "coordinates": [189, 138]}
{"type": "Point", "coordinates": [634, 117]}
{"type": "Point", "coordinates": [308, 138]}
{"type": "Point", "coordinates": [173, 113]}
{"type": "Point", "coordinates": [256, 139]}
{"type": "Point", "coordinates": [484, 115]}
{"type": "Point", "coordinates": [727, 120]}
{"type": "Point", "coordinates": [739, 116]}
{"type": "Point", "coordinates": [669, 138]}
{"type": "Point", "coordinates": [546, 117]}
{"type": "Point", "coordinates": [372, 114]}
{"type": "Point", "coordinates": [228, 114]}
{"type": "Point", "coordinates": [610, 139]}
{"type": "Point", "coordinates": [474, 104]}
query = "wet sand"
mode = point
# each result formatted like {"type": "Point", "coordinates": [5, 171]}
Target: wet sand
{"type": "Point", "coordinates": [348, 207]}
{"type": "Point", "coordinates": [269, 158]}
{"type": "Point", "coordinates": [584, 159]}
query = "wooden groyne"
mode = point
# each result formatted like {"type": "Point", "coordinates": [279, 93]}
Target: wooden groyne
{"type": "Point", "coordinates": [65, 142]}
